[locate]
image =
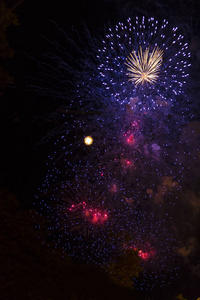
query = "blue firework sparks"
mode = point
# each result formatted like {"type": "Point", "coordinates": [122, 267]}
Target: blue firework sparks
{"type": "Point", "coordinates": [144, 34]}
{"type": "Point", "coordinates": [96, 199]}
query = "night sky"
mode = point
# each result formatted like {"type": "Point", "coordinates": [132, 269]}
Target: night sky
{"type": "Point", "coordinates": [30, 270]}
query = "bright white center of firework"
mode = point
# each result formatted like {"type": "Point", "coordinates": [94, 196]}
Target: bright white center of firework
{"type": "Point", "coordinates": [88, 140]}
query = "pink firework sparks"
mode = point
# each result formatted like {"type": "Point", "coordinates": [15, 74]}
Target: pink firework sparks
{"type": "Point", "coordinates": [92, 215]}
{"type": "Point", "coordinates": [95, 216]}
{"type": "Point", "coordinates": [76, 207]}
{"type": "Point", "coordinates": [130, 139]}
{"type": "Point", "coordinates": [144, 255]}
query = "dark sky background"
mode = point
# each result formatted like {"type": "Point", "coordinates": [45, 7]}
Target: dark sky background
{"type": "Point", "coordinates": [23, 122]}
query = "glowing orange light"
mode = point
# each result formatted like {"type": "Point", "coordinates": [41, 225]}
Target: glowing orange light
{"type": "Point", "coordinates": [88, 140]}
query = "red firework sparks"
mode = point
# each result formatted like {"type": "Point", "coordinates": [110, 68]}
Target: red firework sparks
{"type": "Point", "coordinates": [92, 215]}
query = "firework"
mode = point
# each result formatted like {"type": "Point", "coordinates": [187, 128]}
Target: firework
{"type": "Point", "coordinates": [106, 196]}
{"type": "Point", "coordinates": [144, 67]}
{"type": "Point", "coordinates": [160, 56]}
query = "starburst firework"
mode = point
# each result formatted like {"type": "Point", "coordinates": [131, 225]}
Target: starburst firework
{"type": "Point", "coordinates": [160, 58]}
{"type": "Point", "coordinates": [144, 67]}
